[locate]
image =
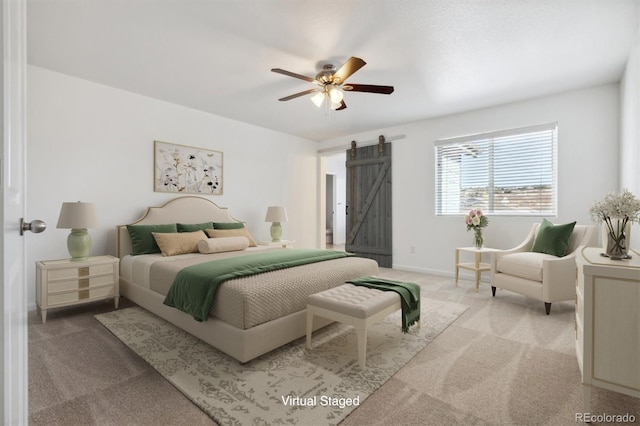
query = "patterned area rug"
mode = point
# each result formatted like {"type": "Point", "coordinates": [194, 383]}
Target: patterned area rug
{"type": "Point", "coordinates": [290, 385]}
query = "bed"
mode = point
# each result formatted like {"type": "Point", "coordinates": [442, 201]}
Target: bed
{"type": "Point", "coordinates": [250, 315]}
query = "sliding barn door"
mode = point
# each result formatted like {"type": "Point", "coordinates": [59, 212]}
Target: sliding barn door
{"type": "Point", "coordinates": [369, 202]}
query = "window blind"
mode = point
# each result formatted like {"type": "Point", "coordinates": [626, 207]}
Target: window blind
{"type": "Point", "coordinates": [510, 172]}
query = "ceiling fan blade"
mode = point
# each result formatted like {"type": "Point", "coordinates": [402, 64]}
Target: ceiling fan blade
{"type": "Point", "coordinates": [297, 95]}
{"type": "Point", "coordinates": [352, 65]}
{"type": "Point", "coordinates": [371, 88]}
{"type": "Point", "coordinates": [292, 74]}
{"type": "Point", "coordinates": [341, 107]}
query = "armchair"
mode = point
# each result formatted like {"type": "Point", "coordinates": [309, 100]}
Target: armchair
{"type": "Point", "coordinates": [540, 276]}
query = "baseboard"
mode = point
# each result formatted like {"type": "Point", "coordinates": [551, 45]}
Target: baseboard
{"type": "Point", "coordinates": [422, 270]}
{"type": "Point", "coordinates": [485, 278]}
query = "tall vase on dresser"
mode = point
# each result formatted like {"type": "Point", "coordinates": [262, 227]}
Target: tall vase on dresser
{"type": "Point", "coordinates": [616, 239]}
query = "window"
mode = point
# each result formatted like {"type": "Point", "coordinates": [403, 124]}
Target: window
{"type": "Point", "coordinates": [512, 172]}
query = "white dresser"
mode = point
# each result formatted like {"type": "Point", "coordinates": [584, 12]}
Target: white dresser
{"type": "Point", "coordinates": [608, 322]}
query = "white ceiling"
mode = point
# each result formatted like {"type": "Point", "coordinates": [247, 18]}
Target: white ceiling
{"type": "Point", "coordinates": [442, 56]}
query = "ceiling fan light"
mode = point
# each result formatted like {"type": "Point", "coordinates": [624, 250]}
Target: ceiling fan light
{"type": "Point", "coordinates": [335, 105]}
{"type": "Point", "coordinates": [336, 95]}
{"type": "Point", "coordinates": [318, 98]}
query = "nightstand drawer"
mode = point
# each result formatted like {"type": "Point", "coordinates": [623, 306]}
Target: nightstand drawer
{"type": "Point", "coordinates": [79, 283]}
{"type": "Point", "coordinates": [80, 272]}
{"type": "Point", "coordinates": [66, 297]}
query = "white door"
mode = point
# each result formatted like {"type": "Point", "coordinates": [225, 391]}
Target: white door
{"type": "Point", "coordinates": [13, 299]}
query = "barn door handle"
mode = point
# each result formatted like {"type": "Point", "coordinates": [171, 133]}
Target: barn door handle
{"type": "Point", "coordinates": [346, 211]}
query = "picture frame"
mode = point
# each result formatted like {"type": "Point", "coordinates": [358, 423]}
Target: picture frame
{"type": "Point", "coordinates": [187, 170]}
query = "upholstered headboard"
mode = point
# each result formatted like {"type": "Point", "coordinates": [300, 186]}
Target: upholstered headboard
{"type": "Point", "coordinates": [189, 209]}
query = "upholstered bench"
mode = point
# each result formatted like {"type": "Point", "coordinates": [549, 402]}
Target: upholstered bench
{"type": "Point", "coordinates": [354, 305]}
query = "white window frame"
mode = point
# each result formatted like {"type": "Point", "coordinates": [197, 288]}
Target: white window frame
{"type": "Point", "coordinates": [449, 189]}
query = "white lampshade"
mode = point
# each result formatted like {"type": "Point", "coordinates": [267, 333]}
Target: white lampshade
{"type": "Point", "coordinates": [318, 99]}
{"type": "Point", "coordinates": [276, 214]}
{"type": "Point", "coordinates": [78, 215]}
{"type": "Point", "coordinates": [336, 95]}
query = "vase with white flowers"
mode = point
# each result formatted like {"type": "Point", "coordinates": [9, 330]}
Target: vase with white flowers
{"type": "Point", "coordinates": [617, 212]}
{"type": "Point", "coordinates": [476, 220]}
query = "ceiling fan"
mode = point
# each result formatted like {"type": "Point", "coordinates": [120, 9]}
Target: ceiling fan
{"type": "Point", "coordinates": [331, 84]}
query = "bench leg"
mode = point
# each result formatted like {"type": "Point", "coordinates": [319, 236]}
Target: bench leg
{"type": "Point", "coordinates": [309, 326]}
{"type": "Point", "coordinates": [361, 331]}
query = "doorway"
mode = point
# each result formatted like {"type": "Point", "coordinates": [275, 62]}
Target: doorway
{"type": "Point", "coordinates": [330, 208]}
{"type": "Point", "coordinates": [335, 198]}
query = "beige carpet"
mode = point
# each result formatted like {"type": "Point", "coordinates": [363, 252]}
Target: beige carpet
{"type": "Point", "coordinates": [503, 362]}
{"type": "Point", "coordinates": [291, 385]}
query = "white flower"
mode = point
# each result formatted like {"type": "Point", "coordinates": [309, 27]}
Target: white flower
{"type": "Point", "coordinates": [475, 220]}
{"type": "Point", "coordinates": [616, 206]}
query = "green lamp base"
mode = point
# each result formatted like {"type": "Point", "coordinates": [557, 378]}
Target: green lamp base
{"type": "Point", "coordinates": [276, 231]}
{"type": "Point", "coordinates": [79, 244]}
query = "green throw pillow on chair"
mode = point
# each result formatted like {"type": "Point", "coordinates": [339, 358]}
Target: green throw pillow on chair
{"type": "Point", "coordinates": [553, 239]}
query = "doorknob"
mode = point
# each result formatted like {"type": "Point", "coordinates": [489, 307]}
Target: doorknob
{"type": "Point", "coordinates": [35, 226]}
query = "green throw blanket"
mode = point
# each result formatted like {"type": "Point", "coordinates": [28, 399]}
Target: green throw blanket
{"type": "Point", "coordinates": [409, 297]}
{"type": "Point", "coordinates": [194, 287]}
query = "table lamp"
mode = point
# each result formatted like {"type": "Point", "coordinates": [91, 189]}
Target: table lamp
{"type": "Point", "coordinates": [78, 217]}
{"type": "Point", "coordinates": [276, 215]}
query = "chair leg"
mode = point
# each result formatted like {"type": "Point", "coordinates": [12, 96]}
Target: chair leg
{"type": "Point", "coordinates": [547, 307]}
{"type": "Point", "coordinates": [493, 291]}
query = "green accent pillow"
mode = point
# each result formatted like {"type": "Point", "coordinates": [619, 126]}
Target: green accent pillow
{"type": "Point", "coordinates": [142, 241]}
{"type": "Point", "coordinates": [228, 225]}
{"type": "Point", "coordinates": [193, 227]}
{"type": "Point", "coordinates": [553, 239]}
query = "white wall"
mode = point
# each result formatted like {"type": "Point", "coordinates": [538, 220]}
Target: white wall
{"type": "Point", "coordinates": [630, 130]}
{"type": "Point", "coordinates": [91, 142]}
{"type": "Point", "coordinates": [588, 123]}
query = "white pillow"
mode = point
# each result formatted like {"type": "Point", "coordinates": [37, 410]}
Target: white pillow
{"type": "Point", "coordinates": [221, 244]}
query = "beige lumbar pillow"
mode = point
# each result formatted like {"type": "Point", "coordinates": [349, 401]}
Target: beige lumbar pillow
{"type": "Point", "coordinates": [175, 243]}
{"type": "Point", "coordinates": [221, 233]}
{"type": "Point", "coordinates": [222, 244]}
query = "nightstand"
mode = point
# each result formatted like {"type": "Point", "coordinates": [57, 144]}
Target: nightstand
{"type": "Point", "coordinates": [281, 243]}
{"type": "Point", "coordinates": [65, 282]}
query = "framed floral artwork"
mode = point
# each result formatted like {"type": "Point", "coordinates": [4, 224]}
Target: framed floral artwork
{"type": "Point", "coordinates": [187, 170]}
